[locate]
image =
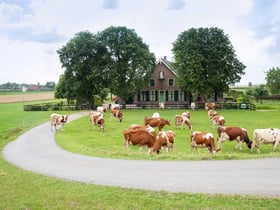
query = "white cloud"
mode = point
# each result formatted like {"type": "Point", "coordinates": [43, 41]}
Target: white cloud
{"type": "Point", "coordinates": [32, 31]}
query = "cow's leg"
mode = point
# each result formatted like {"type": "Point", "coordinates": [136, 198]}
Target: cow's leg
{"type": "Point", "coordinates": [239, 145]}
{"type": "Point", "coordinates": [275, 145]}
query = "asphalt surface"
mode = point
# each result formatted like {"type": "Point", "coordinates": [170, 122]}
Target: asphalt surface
{"type": "Point", "coordinates": [37, 151]}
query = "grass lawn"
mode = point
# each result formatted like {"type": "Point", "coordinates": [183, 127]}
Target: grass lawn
{"type": "Point", "coordinates": [82, 138]}
{"type": "Point", "coordinates": [22, 189]}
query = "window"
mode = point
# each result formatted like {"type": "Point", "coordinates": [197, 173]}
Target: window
{"type": "Point", "coordinates": [153, 95]}
{"type": "Point", "coordinates": [170, 82]}
{"type": "Point", "coordinates": [152, 83]}
{"type": "Point", "coordinates": [170, 95]}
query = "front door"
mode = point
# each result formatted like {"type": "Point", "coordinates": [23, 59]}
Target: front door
{"type": "Point", "coordinates": [161, 97]}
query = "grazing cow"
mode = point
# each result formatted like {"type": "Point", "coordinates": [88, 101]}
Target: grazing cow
{"type": "Point", "coordinates": [203, 139]}
{"type": "Point", "coordinates": [141, 137]}
{"type": "Point", "coordinates": [266, 136]}
{"type": "Point", "coordinates": [164, 139]}
{"type": "Point", "coordinates": [186, 114]}
{"type": "Point", "coordinates": [57, 119]}
{"type": "Point", "coordinates": [97, 119]}
{"type": "Point", "coordinates": [161, 106]}
{"type": "Point", "coordinates": [117, 113]}
{"type": "Point", "coordinates": [156, 122]}
{"type": "Point", "coordinates": [182, 120]}
{"type": "Point", "coordinates": [218, 120]}
{"type": "Point", "coordinates": [192, 106]}
{"type": "Point", "coordinates": [227, 133]}
{"type": "Point", "coordinates": [211, 106]}
{"type": "Point", "coordinates": [211, 114]}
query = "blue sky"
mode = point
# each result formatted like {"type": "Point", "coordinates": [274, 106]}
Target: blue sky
{"type": "Point", "coordinates": [31, 31]}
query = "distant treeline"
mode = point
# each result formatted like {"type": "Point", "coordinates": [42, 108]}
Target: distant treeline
{"type": "Point", "coordinates": [16, 87]}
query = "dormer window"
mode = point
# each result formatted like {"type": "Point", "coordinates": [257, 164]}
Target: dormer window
{"type": "Point", "coordinates": [161, 75]}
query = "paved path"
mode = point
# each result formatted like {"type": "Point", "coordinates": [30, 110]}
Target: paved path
{"type": "Point", "coordinates": [37, 151]}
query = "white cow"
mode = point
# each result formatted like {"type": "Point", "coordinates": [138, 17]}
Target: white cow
{"type": "Point", "coordinates": [266, 136]}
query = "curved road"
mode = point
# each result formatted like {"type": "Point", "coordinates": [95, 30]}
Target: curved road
{"type": "Point", "coordinates": [37, 151]}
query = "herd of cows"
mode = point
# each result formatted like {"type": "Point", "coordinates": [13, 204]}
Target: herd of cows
{"type": "Point", "coordinates": [146, 136]}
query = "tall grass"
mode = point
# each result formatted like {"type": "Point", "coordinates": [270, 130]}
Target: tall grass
{"type": "Point", "coordinates": [22, 189]}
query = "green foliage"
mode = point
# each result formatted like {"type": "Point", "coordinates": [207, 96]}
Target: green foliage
{"type": "Point", "coordinates": [206, 61]}
{"type": "Point", "coordinates": [131, 63]}
{"type": "Point", "coordinates": [273, 80]}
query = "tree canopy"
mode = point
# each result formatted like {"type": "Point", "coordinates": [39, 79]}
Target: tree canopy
{"type": "Point", "coordinates": [205, 61]}
{"type": "Point", "coordinates": [115, 58]}
{"type": "Point", "coordinates": [273, 80]}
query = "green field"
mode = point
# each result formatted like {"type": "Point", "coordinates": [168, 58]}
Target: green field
{"type": "Point", "coordinates": [21, 189]}
{"type": "Point", "coordinates": [82, 138]}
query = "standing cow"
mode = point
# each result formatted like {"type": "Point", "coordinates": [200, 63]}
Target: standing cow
{"type": "Point", "coordinates": [164, 139]}
{"type": "Point", "coordinates": [227, 133]}
{"type": "Point", "coordinates": [58, 119]}
{"type": "Point", "coordinates": [156, 122]}
{"type": "Point", "coordinates": [115, 113]}
{"type": "Point", "coordinates": [266, 136]}
{"type": "Point", "coordinates": [203, 139]}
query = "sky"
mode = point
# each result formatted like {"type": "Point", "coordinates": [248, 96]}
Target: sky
{"type": "Point", "coordinates": [31, 31]}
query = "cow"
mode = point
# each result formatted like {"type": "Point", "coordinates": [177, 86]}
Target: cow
{"type": "Point", "coordinates": [156, 115]}
{"type": "Point", "coordinates": [211, 106]}
{"type": "Point", "coordinates": [58, 119]}
{"type": "Point", "coordinates": [161, 106]}
{"type": "Point", "coordinates": [97, 119]}
{"type": "Point", "coordinates": [187, 114]}
{"type": "Point", "coordinates": [203, 139]}
{"type": "Point", "coordinates": [229, 133]}
{"type": "Point", "coordinates": [164, 139]}
{"type": "Point", "coordinates": [193, 106]}
{"type": "Point", "coordinates": [211, 114]}
{"type": "Point", "coordinates": [265, 136]}
{"type": "Point", "coordinates": [182, 120]}
{"type": "Point", "coordinates": [140, 136]}
{"type": "Point", "coordinates": [116, 113]}
{"type": "Point", "coordinates": [101, 109]}
{"type": "Point", "coordinates": [218, 120]}
{"type": "Point", "coordinates": [115, 107]}
{"type": "Point", "coordinates": [156, 122]}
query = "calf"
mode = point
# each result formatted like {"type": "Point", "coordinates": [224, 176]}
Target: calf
{"type": "Point", "coordinates": [266, 136]}
{"type": "Point", "coordinates": [141, 137]}
{"type": "Point", "coordinates": [117, 113]}
{"type": "Point", "coordinates": [211, 114]}
{"type": "Point", "coordinates": [203, 139]}
{"type": "Point", "coordinates": [161, 106]}
{"type": "Point", "coordinates": [156, 122]}
{"type": "Point", "coordinates": [57, 119]}
{"type": "Point", "coordinates": [164, 139]}
{"type": "Point", "coordinates": [227, 133]}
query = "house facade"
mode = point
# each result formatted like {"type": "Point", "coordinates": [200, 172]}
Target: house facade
{"type": "Point", "coordinates": [162, 89]}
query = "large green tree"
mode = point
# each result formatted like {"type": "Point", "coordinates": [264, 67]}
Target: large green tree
{"type": "Point", "coordinates": [84, 61]}
{"type": "Point", "coordinates": [206, 62]}
{"type": "Point", "coordinates": [273, 80]}
{"type": "Point", "coordinates": [129, 59]}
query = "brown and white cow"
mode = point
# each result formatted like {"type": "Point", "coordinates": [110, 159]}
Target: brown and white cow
{"type": "Point", "coordinates": [142, 137]}
{"type": "Point", "coordinates": [211, 106]}
{"type": "Point", "coordinates": [115, 113]}
{"type": "Point", "coordinates": [211, 114]}
{"type": "Point", "coordinates": [182, 120]}
{"type": "Point", "coordinates": [164, 139]}
{"type": "Point", "coordinates": [229, 133]}
{"type": "Point", "coordinates": [156, 122]}
{"type": "Point", "coordinates": [58, 119]}
{"type": "Point", "coordinates": [266, 136]}
{"type": "Point", "coordinates": [101, 109]}
{"type": "Point", "coordinates": [97, 119]}
{"type": "Point", "coordinates": [203, 139]}
{"type": "Point", "coordinates": [218, 120]}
